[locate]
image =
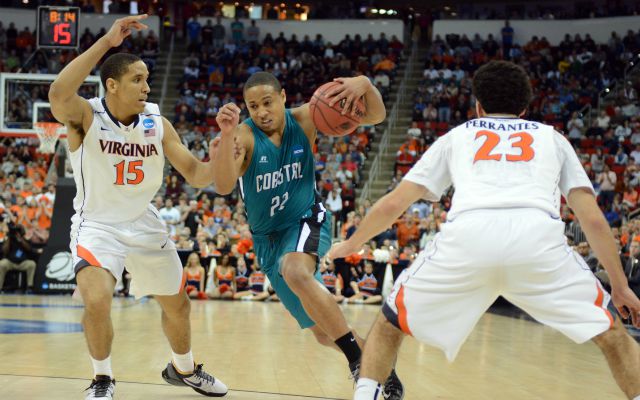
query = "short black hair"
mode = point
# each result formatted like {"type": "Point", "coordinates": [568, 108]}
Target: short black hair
{"type": "Point", "coordinates": [115, 66]}
{"type": "Point", "coordinates": [502, 87]}
{"type": "Point", "coordinates": [262, 78]}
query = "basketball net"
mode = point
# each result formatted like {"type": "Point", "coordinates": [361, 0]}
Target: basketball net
{"type": "Point", "coordinates": [48, 134]}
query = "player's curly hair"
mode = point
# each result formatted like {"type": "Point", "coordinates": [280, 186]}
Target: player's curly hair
{"type": "Point", "coordinates": [262, 78]}
{"type": "Point", "coordinates": [115, 66]}
{"type": "Point", "coordinates": [502, 87]}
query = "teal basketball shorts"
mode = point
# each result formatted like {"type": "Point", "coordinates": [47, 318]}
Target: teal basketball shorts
{"type": "Point", "coordinates": [312, 235]}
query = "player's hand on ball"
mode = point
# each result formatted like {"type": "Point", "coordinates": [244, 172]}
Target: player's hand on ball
{"type": "Point", "coordinates": [627, 304]}
{"type": "Point", "coordinates": [349, 89]}
{"type": "Point", "coordinates": [340, 250]}
{"type": "Point", "coordinates": [123, 27]}
{"type": "Point", "coordinates": [228, 118]}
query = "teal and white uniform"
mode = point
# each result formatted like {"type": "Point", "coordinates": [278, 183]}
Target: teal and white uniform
{"type": "Point", "coordinates": [283, 209]}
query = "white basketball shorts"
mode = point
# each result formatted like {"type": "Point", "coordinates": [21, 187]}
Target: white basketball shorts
{"type": "Point", "coordinates": [143, 246]}
{"type": "Point", "coordinates": [520, 254]}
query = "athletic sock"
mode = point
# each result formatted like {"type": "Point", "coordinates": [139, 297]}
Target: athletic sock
{"type": "Point", "coordinates": [349, 347]}
{"type": "Point", "coordinates": [367, 389]}
{"type": "Point", "coordinates": [102, 367]}
{"type": "Point", "coordinates": [637, 397]}
{"type": "Point", "coordinates": [183, 362]}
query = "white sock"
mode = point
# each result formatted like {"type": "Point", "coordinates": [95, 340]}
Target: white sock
{"type": "Point", "coordinates": [636, 398]}
{"type": "Point", "coordinates": [102, 367]}
{"type": "Point", "coordinates": [183, 362]}
{"type": "Point", "coordinates": [367, 389]}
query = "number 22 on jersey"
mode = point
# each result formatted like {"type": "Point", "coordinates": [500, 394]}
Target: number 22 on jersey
{"type": "Point", "coordinates": [485, 152]}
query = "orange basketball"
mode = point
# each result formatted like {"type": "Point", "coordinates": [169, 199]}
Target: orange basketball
{"type": "Point", "coordinates": [329, 120]}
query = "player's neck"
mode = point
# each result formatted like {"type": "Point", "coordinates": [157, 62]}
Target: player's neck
{"type": "Point", "coordinates": [498, 115]}
{"type": "Point", "coordinates": [121, 114]}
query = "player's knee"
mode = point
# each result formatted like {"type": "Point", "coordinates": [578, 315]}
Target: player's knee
{"type": "Point", "coordinates": [296, 277]}
{"type": "Point", "coordinates": [180, 307]}
{"type": "Point", "coordinates": [96, 303]}
{"type": "Point", "coordinates": [611, 338]}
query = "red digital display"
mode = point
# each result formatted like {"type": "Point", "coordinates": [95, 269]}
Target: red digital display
{"type": "Point", "coordinates": [58, 27]}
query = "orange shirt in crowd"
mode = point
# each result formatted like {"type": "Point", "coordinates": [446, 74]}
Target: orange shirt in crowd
{"type": "Point", "coordinates": [406, 233]}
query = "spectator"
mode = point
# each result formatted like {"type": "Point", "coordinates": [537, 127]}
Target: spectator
{"type": "Point", "coordinates": [224, 280]}
{"type": "Point", "coordinates": [414, 131]}
{"type": "Point", "coordinates": [584, 251]}
{"type": "Point", "coordinates": [507, 39]}
{"type": "Point", "coordinates": [253, 33]}
{"type": "Point", "coordinates": [170, 215]}
{"type": "Point", "coordinates": [607, 180]}
{"type": "Point", "coordinates": [332, 280]}
{"type": "Point", "coordinates": [575, 127]}
{"type": "Point", "coordinates": [16, 252]}
{"type": "Point", "coordinates": [193, 33]}
{"type": "Point", "coordinates": [597, 160]}
{"type": "Point", "coordinates": [366, 287]}
{"type": "Point", "coordinates": [218, 34]}
{"type": "Point", "coordinates": [194, 277]}
{"type": "Point", "coordinates": [621, 158]}
{"type": "Point", "coordinates": [207, 34]}
{"type": "Point", "coordinates": [237, 31]}
{"type": "Point", "coordinates": [407, 230]}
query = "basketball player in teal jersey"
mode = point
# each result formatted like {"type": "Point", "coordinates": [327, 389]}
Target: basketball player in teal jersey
{"type": "Point", "coordinates": [270, 154]}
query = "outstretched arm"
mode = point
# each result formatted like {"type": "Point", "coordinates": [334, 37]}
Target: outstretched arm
{"type": "Point", "coordinates": [382, 215]}
{"type": "Point", "coordinates": [66, 105]}
{"type": "Point", "coordinates": [197, 173]}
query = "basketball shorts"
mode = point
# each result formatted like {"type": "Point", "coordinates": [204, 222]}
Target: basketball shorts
{"type": "Point", "coordinates": [313, 236]}
{"type": "Point", "coordinates": [143, 246]}
{"type": "Point", "coordinates": [520, 254]}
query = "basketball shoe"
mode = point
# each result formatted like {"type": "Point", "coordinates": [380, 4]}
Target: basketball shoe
{"type": "Point", "coordinates": [198, 380]}
{"type": "Point", "coordinates": [102, 388]}
{"type": "Point", "coordinates": [392, 390]}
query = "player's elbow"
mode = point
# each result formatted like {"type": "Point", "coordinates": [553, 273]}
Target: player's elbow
{"type": "Point", "coordinates": [377, 117]}
{"type": "Point", "coordinates": [56, 92]}
{"type": "Point", "coordinates": [224, 188]}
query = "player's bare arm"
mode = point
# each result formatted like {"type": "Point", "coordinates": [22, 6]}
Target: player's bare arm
{"type": "Point", "coordinates": [235, 149]}
{"type": "Point", "coordinates": [66, 105]}
{"type": "Point", "coordinates": [598, 232]}
{"type": "Point", "coordinates": [382, 215]}
{"type": "Point", "coordinates": [352, 89]}
{"type": "Point", "coordinates": [197, 173]}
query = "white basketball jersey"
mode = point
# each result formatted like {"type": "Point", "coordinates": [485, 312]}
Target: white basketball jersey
{"type": "Point", "coordinates": [501, 163]}
{"type": "Point", "coordinates": [118, 169]}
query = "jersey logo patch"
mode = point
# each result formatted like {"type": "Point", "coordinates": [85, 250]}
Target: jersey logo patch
{"type": "Point", "coordinates": [297, 150]}
{"type": "Point", "coordinates": [148, 123]}
{"type": "Point", "coordinates": [263, 160]}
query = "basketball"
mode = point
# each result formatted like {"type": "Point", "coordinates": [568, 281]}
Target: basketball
{"type": "Point", "coordinates": [329, 120]}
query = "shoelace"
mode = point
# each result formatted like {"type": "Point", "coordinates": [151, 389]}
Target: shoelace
{"type": "Point", "coordinates": [355, 373]}
{"type": "Point", "coordinates": [200, 373]}
{"type": "Point", "coordinates": [392, 386]}
{"type": "Point", "coordinates": [100, 387]}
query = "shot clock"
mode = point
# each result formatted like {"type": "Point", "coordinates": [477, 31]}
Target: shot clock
{"type": "Point", "coordinates": [58, 27]}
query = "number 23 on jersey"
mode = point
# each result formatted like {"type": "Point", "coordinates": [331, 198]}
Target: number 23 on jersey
{"type": "Point", "coordinates": [523, 142]}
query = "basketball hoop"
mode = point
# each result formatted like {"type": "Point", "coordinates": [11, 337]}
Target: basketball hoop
{"type": "Point", "coordinates": [48, 134]}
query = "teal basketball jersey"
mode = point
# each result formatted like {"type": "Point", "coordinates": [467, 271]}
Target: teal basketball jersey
{"type": "Point", "coordinates": [279, 185]}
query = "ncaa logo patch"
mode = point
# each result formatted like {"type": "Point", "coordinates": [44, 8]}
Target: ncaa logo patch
{"type": "Point", "coordinates": [148, 123]}
{"type": "Point", "coordinates": [297, 150]}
